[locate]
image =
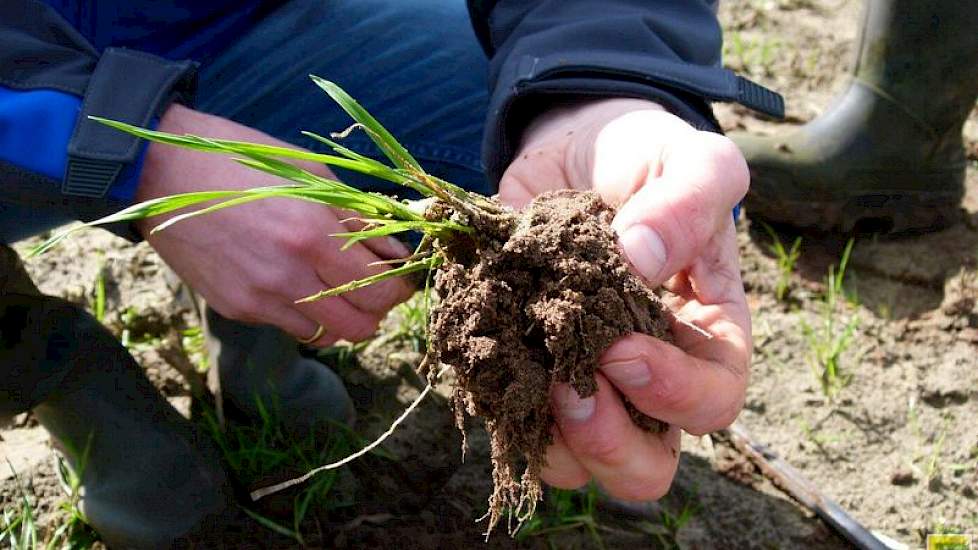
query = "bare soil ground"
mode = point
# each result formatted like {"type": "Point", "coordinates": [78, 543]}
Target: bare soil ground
{"type": "Point", "coordinates": [898, 447]}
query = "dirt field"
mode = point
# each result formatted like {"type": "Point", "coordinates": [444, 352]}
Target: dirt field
{"type": "Point", "coordinates": [897, 447]}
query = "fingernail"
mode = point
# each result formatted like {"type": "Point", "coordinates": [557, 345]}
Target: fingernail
{"type": "Point", "coordinates": [645, 249]}
{"type": "Point", "coordinates": [631, 373]}
{"type": "Point", "coordinates": [570, 405]}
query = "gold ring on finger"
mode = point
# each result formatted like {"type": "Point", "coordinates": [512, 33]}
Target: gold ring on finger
{"type": "Point", "coordinates": [320, 331]}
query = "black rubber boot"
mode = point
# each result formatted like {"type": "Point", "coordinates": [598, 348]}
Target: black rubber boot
{"type": "Point", "coordinates": [255, 366]}
{"type": "Point", "coordinates": [149, 478]}
{"type": "Point", "coordinates": [887, 155]}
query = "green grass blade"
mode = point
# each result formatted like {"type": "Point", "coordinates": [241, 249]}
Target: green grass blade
{"type": "Point", "coordinates": [214, 208]}
{"type": "Point", "coordinates": [384, 140]}
{"type": "Point", "coordinates": [411, 267]}
{"type": "Point", "coordinates": [363, 165]}
{"type": "Point", "coordinates": [139, 211]}
{"type": "Point", "coordinates": [273, 526]}
{"type": "Point", "coordinates": [391, 227]}
{"type": "Point", "coordinates": [377, 169]}
{"type": "Point", "coordinates": [345, 151]}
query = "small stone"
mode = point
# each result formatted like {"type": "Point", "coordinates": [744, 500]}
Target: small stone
{"type": "Point", "coordinates": [902, 477]}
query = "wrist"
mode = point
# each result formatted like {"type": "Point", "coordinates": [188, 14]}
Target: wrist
{"type": "Point", "coordinates": [588, 116]}
{"type": "Point", "coordinates": [560, 143]}
{"type": "Point", "coordinates": [161, 158]}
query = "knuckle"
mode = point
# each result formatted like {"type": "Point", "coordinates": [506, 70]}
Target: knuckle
{"type": "Point", "coordinates": [718, 420]}
{"type": "Point", "coordinates": [271, 281]}
{"type": "Point", "coordinates": [381, 297]}
{"type": "Point", "coordinates": [567, 481]}
{"type": "Point", "coordinates": [244, 308]}
{"type": "Point", "coordinates": [299, 241]}
{"type": "Point", "coordinates": [729, 162]}
{"type": "Point", "coordinates": [652, 488]}
{"type": "Point", "coordinates": [605, 449]}
{"type": "Point", "coordinates": [361, 329]}
{"type": "Point", "coordinates": [672, 394]}
{"type": "Point", "coordinates": [691, 218]}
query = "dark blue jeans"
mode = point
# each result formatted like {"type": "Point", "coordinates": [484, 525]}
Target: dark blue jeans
{"type": "Point", "coordinates": [416, 65]}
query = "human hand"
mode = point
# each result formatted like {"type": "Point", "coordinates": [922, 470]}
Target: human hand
{"type": "Point", "coordinates": [251, 262]}
{"type": "Point", "coordinates": [675, 188]}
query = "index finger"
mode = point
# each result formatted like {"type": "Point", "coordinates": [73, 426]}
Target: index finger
{"type": "Point", "coordinates": [671, 219]}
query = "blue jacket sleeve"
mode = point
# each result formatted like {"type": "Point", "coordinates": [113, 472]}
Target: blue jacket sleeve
{"type": "Point", "coordinates": [52, 156]}
{"type": "Point", "coordinates": [545, 51]}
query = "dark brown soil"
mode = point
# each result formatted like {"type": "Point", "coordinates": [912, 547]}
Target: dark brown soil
{"type": "Point", "coordinates": [525, 311]}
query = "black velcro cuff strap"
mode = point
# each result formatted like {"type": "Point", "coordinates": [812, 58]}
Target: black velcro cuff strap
{"type": "Point", "coordinates": [127, 86]}
{"type": "Point", "coordinates": [526, 87]}
{"type": "Point", "coordinates": [711, 83]}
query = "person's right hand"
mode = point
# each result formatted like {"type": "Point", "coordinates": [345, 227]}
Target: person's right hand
{"type": "Point", "coordinates": [252, 262]}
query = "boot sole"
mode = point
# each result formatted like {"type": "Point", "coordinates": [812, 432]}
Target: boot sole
{"type": "Point", "coordinates": [903, 213]}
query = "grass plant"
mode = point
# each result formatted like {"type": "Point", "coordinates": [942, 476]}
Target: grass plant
{"type": "Point", "coordinates": [453, 224]}
{"type": "Point", "coordinates": [256, 452]}
{"type": "Point", "coordinates": [786, 258]}
{"type": "Point", "coordinates": [193, 344]}
{"type": "Point", "coordinates": [98, 301]}
{"type": "Point", "coordinates": [381, 214]}
{"type": "Point", "coordinates": [19, 529]}
{"type": "Point", "coordinates": [666, 533]}
{"type": "Point", "coordinates": [565, 510]}
{"type": "Point", "coordinates": [831, 337]}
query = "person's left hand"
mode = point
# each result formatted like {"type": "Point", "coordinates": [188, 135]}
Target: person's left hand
{"type": "Point", "coordinates": [675, 188]}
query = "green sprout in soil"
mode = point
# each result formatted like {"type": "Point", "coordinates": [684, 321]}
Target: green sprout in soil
{"type": "Point", "coordinates": [18, 525]}
{"type": "Point", "coordinates": [786, 259]}
{"type": "Point", "coordinates": [670, 524]}
{"type": "Point", "coordinates": [829, 340]}
{"type": "Point", "coordinates": [98, 301]}
{"type": "Point", "coordinates": [565, 510]}
{"type": "Point", "coordinates": [256, 452]}
{"type": "Point", "coordinates": [524, 299]}
{"type": "Point", "coordinates": [18, 528]}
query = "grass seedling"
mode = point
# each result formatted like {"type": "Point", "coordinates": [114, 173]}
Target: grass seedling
{"type": "Point", "coordinates": [565, 510]}
{"type": "Point", "coordinates": [19, 529]}
{"type": "Point", "coordinates": [749, 53]}
{"type": "Point", "coordinates": [74, 532]}
{"type": "Point", "coordinates": [256, 452]}
{"type": "Point", "coordinates": [382, 215]}
{"type": "Point", "coordinates": [933, 468]}
{"type": "Point", "coordinates": [192, 342]}
{"type": "Point", "coordinates": [465, 237]}
{"type": "Point", "coordinates": [786, 259]}
{"type": "Point", "coordinates": [831, 337]}
{"type": "Point", "coordinates": [17, 526]}
{"type": "Point", "coordinates": [98, 303]}
{"type": "Point", "coordinates": [412, 324]}
{"type": "Point", "coordinates": [931, 461]}
{"type": "Point", "coordinates": [667, 532]}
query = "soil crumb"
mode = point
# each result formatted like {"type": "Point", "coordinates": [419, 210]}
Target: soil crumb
{"type": "Point", "coordinates": [529, 302]}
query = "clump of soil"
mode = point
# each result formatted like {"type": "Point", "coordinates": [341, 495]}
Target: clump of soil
{"type": "Point", "coordinates": [525, 302]}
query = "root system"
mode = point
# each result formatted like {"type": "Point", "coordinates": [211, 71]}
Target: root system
{"type": "Point", "coordinates": [527, 301]}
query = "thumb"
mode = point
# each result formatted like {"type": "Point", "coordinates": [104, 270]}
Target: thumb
{"type": "Point", "coordinates": [671, 219]}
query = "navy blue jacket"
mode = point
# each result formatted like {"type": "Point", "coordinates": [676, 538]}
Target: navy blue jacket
{"type": "Point", "coordinates": [61, 60]}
